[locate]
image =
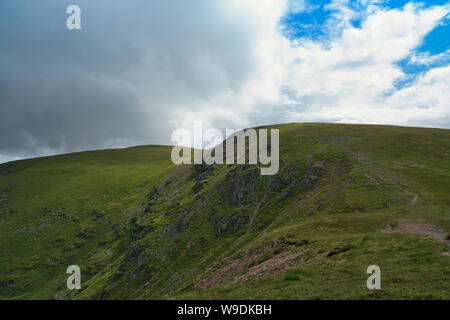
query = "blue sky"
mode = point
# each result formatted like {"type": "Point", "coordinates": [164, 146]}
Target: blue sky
{"type": "Point", "coordinates": [312, 19]}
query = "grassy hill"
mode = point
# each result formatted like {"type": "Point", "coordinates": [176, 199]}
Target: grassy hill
{"type": "Point", "coordinates": [140, 227]}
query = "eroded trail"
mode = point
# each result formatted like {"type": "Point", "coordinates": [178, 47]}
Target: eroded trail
{"type": "Point", "coordinates": [421, 228]}
{"type": "Point", "coordinates": [380, 175]}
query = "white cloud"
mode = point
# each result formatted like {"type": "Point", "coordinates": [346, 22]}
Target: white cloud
{"type": "Point", "coordinates": [352, 77]}
{"type": "Point", "coordinates": [425, 58]}
{"type": "Point", "coordinates": [300, 6]}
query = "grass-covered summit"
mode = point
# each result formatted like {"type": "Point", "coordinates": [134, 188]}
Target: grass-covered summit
{"type": "Point", "coordinates": [139, 227]}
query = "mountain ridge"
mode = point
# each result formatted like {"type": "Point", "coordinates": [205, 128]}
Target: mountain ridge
{"type": "Point", "coordinates": [140, 227]}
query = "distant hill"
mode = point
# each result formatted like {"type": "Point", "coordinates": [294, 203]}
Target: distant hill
{"type": "Point", "coordinates": [140, 227]}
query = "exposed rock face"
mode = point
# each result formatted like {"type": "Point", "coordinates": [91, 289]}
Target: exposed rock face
{"type": "Point", "coordinates": [199, 173]}
{"type": "Point", "coordinates": [226, 225]}
{"type": "Point", "coordinates": [137, 230]}
{"type": "Point", "coordinates": [236, 193]}
{"type": "Point", "coordinates": [86, 233]}
{"type": "Point", "coordinates": [240, 183]}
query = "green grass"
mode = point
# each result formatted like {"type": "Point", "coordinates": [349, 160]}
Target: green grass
{"type": "Point", "coordinates": [50, 200]}
{"type": "Point", "coordinates": [141, 228]}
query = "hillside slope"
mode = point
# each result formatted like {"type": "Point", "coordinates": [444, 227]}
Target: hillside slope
{"type": "Point", "coordinates": [139, 227]}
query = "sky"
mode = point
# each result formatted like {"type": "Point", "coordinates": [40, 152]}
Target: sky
{"type": "Point", "coordinates": [138, 69]}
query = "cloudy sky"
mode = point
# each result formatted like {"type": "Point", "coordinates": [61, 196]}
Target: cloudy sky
{"type": "Point", "coordinates": [138, 69]}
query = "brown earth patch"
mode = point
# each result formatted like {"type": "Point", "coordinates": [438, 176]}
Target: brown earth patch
{"type": "Point", "coordinates": [422, 228]}
{"type": "Point", "coordinates": [274, 265]}
{"type": "Point", "coordinates": [253, 265]}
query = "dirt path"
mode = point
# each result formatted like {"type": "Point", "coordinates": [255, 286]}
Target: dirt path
{"type": "Point", "coordinates": [377, 172]}
{"type": "Point", "coordinates": [422, 228]}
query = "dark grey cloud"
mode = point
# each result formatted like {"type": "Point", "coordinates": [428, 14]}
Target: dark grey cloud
{"type": "Point", "coordinates": [118, 81]}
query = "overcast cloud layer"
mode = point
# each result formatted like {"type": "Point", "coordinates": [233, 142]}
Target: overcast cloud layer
{"type": "Point", "coordinates": [138, 69]}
